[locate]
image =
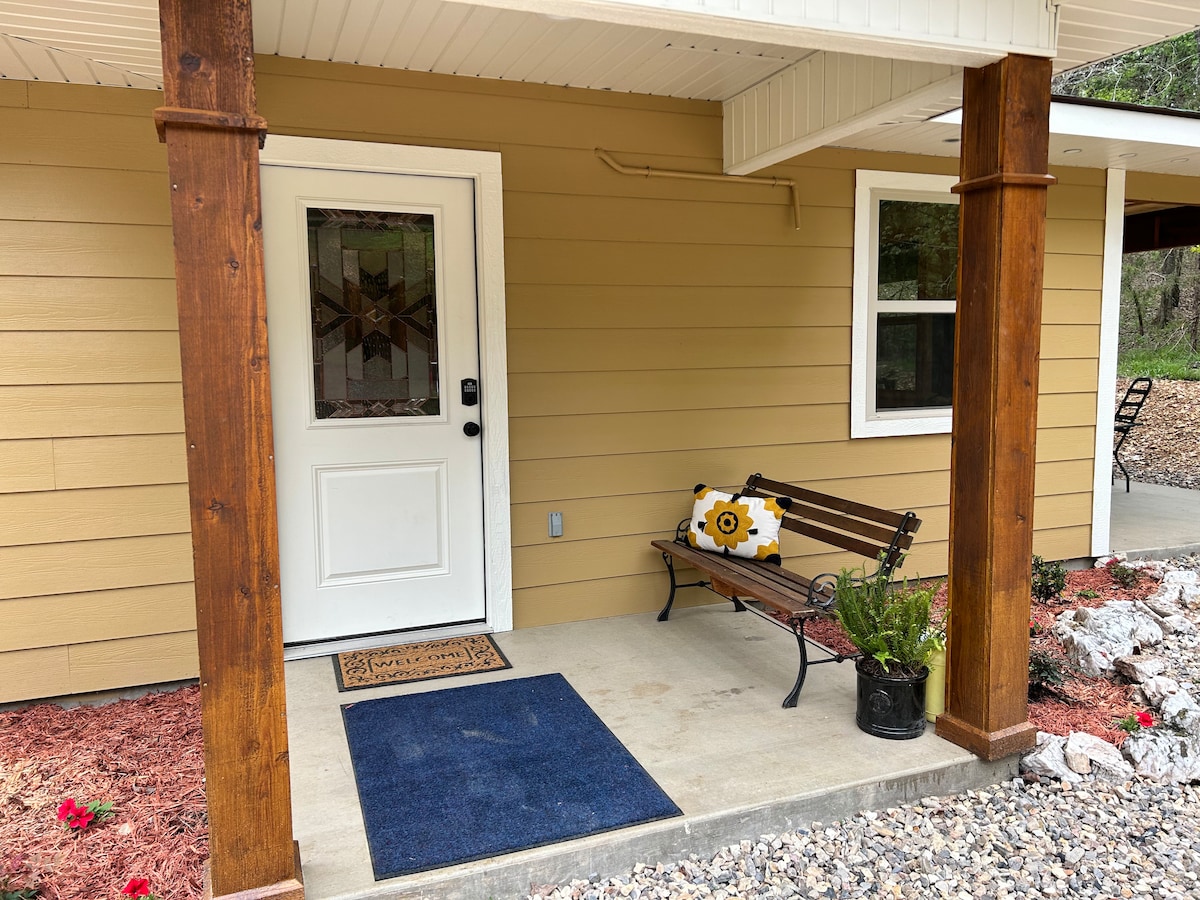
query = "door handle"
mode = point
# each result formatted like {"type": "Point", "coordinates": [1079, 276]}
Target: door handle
{"type": "Point", "coordinates": [472, 429]}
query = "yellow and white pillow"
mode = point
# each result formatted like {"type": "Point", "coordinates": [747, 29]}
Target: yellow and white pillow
{"type": "Point", "coordinates": [734, 525]}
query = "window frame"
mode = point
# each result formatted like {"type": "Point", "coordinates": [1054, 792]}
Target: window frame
{"type": "Point", "coordinates": [870, 187]}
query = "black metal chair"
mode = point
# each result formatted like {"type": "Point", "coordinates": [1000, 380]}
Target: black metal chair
{"type": "Point", "coordinates": [1126, 418]}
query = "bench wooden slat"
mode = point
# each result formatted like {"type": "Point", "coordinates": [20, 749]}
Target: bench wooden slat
{"type": "Point", "coordinates": [814, 514]}
{"type": "Point", "coordinates": [863, 511]}
{"type": "Point", "coordinates": [837, 539]}
{"type": "Point", "coordinates": [749, 578]}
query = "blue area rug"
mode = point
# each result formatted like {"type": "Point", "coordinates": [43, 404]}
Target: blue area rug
{"type": "Point", "coordinates": [446, 777]}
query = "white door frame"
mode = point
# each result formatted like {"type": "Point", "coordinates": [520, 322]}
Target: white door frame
{"type": "Point", "coordinates": [483, 168]}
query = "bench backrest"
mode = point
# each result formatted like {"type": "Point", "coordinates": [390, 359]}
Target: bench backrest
{"type": "Point", "coordinates": [869, 531]}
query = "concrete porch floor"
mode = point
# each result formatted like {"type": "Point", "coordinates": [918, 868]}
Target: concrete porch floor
{"type": "Point", "coordinates": [1154, 521]}
{"type": "Point", "coordinates": [696, 701]}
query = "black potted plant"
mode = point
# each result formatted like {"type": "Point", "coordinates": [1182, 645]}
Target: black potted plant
{"type": "Point", "coordinates": [894, 627]}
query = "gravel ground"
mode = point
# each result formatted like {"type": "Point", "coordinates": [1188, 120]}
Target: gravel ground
{"type": "Point", "coordinates": [1015, 840]}
{"type": "Point", "coordinates": [1020, 839]}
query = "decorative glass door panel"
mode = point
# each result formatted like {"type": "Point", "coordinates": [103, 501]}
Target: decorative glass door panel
{"type": "Point", "coordinates": [373, 290]}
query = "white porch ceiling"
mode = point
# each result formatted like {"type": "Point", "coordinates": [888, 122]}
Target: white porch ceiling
{"type": "Point", "coordinates": [116, 41]}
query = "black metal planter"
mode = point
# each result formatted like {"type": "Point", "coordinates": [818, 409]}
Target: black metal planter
{"type": "Point", "coordinates": [890, 707]}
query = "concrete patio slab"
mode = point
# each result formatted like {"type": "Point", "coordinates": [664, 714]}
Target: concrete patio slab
{"type": "Point", "coordinates": [697, 702]}
{"type": "Point", "coordinates": [1154, 521]}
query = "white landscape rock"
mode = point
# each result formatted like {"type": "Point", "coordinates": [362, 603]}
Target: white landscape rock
{"type": "Point", "coordinates": [1179, 624]}
{"type": "Point", "coordinates": [1181, 711]}
{"type": "Point", "coordinates": [1095, 638]}
{"type": "Point", "coordinates": [1164, 755]}
{"type": "Point", "coordinates": [1179, 587]}
{"type": "Point", "coordinates": [1049, 760]}
{"type": "Point", "coordinates": [1139, 668]}
{"type": "Point", "coordinates": [1158, 688]}
{"type": "Point", "coordinates": [1085, 753]}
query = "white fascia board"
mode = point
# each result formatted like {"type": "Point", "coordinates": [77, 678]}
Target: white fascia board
{"type": "Point", "coordinates": [823, 99]}
{"type": "Point", "coordinates": [1078, 120]}
{"type": "Point", "coordinates": [986, 29]}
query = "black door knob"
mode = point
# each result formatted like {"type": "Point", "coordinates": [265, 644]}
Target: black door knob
{"type": "Point", "coordinates": [472, 429]}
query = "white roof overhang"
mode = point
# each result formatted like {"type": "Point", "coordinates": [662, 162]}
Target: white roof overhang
{"type": "Point", "coordinates": [793, 74]}
{"type": "Point", "coordinates": [1089, 135]}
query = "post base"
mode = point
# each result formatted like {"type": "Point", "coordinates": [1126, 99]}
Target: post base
{"type": "Point", "coordinates": [290, 889]}
{"type": "Point", "coordinates": [988, 745]}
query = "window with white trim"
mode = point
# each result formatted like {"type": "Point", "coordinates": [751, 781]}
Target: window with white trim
{"type": "Point", "coordinates": [905, 281]}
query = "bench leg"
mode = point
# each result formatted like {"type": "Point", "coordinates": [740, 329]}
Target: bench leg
{"type": "Point", "coordinates": [1117, 459]}
{"type": "Point", "coordinates": [666, 610]}
{"type": "Point", "coordinates": [738, 606]}
{"type": "Point", "coordinates": [789, 702]}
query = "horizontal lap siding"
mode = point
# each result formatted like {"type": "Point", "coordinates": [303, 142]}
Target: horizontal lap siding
{"type": "Point", "coordinates": [95, 553]}
{"type": "Point", "coordinates": [663, 333]}
{"type": "Point", "coordinates": [660, 333]}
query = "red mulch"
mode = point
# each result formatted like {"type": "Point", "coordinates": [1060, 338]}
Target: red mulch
{"type": "Point", "coordinates": [144, 755]}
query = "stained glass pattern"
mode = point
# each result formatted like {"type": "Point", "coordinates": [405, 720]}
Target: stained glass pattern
{"type": "Point", "coordinates": [374, 314]}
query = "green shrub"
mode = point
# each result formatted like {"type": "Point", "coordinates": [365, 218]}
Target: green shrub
{"type": "Point", "coordinates": [1049, 579]}
{"type": "Point", "coordinates": [891, 624]}
{"type": "Point", "coordinates": [1045, 674]}
{"type": "Point", "coordinates": [1125, 576]}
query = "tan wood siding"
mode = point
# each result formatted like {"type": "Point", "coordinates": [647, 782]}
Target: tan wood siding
{"type": "Point", "coordinates": [95, 555]}
{"type": "Point", "coordinates": [661, 333]}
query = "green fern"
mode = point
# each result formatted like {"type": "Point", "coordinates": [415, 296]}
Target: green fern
{"type": "Point", "coordinates": [892, 624]}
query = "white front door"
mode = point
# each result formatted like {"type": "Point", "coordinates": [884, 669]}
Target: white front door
{"type": "Point", "coordinates": [373, 329]}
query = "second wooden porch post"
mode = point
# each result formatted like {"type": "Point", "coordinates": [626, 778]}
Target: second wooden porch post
{"type": "Point", "coordinates": [1005, 143]}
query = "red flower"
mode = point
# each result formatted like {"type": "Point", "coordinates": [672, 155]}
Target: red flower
{"type": "Point", "coordinates": [67, 810]}
{"type": "Point", "coordinates": [1144, 719]}
{"type": "Point", "coordinates": [137, 887]}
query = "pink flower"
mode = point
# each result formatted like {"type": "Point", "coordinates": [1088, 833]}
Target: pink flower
{"type": "Point", "coordinates": [1144, 719]}
{"type": "Point", "coordinates": [137, 887]}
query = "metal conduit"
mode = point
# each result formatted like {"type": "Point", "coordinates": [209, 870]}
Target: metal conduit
{"type": "Point", "coordinates": [647, 172]}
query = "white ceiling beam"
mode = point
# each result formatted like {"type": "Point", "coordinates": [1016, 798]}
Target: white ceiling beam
{"type": "Point", "coordinates": [953, 32]}
{"type": "Point", "coordinates": [823, 99]}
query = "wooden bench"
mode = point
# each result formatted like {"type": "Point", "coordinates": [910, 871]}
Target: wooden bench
{"type": "Point", "coordinates": [877, 535]}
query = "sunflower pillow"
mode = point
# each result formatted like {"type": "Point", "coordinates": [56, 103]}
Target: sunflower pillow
{"type": "Point", "coordinates": [735, 525]}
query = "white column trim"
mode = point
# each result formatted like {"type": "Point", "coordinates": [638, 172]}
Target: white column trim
{"type": "Point", "coordinates": [1106, 378]}
{"type": "Point", "coordinates": [483, 167]}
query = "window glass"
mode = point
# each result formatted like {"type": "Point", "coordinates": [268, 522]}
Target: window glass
{"type": "Point", "coordinates": [914, 361]}
{"type": "Point", "coordinates": [918, 250]}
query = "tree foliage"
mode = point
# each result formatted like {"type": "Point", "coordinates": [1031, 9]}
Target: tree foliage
{"type": "Point", "coordinates": [1166, 74]}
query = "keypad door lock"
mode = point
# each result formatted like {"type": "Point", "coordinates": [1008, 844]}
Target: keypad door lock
{"type": "Point", "coordinates": [470, 392]}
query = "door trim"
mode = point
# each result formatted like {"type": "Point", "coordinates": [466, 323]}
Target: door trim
{"type": "Point", "coordinates": [483, 168]}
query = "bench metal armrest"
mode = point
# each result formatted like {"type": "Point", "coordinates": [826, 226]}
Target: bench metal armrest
{"type": "Point", "coordinates": [681, 530]}
{"type": "Point", "coordinates": [816, 595]}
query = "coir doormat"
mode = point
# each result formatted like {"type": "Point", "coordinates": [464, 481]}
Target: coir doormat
{"type": "Point", "coordinates": [418, 662]}
{"type": "Point", "coordinates": [446, 777]}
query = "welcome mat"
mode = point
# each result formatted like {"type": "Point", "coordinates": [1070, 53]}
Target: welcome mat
{"type": "Point", "coordinates": [446, 777]}
{"type": "Point", "coordinates": [418, 662]}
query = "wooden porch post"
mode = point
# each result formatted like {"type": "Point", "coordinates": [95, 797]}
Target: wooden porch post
{"type": "Point", "coordinates": [212, 135]}
{"type": "Point", "coordinates": [1002, 226]}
